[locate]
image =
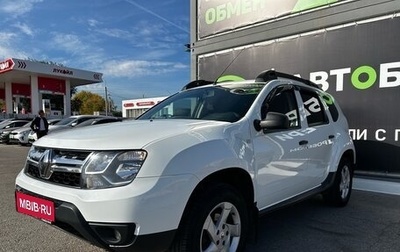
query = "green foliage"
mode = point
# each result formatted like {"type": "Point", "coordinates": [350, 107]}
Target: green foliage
{"type": "Point", "coordinates": [76, 104]}
{"type": "Point", "coordinates": [2, 105]}
{"type": "Point", "coordinates": [117, 113]}
{"type": "Point", "coordinates": [86, 103]}
{"type": "Point", "coordinates": [73, 91]}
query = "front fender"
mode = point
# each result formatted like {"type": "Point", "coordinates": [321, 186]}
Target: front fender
{"type": "Point", "coordinates": [206, 158]}
{"type": "Point", "coordinates": [199, 153]}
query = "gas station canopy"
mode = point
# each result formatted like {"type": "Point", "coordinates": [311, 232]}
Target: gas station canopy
{"type": "Point", "coordinates": [24, 79]}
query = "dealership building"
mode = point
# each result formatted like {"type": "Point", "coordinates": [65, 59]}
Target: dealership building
{"type": "Point", "coordinates": [349, 47]}
{"type": "Point", "coordinates": [136, 107]}
{"type": "Point", "coordinates": [28, 86]}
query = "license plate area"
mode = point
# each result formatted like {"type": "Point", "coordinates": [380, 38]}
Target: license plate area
{"type": "Point", "coordinates": [35, 207]}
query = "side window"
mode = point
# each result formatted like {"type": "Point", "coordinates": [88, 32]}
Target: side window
{"type": "Point", "coordinates": [19, 124]}
{"type": "Point", "coordinates": [284, 101]}
{"type": "Point", "coordinates": [314, 109]}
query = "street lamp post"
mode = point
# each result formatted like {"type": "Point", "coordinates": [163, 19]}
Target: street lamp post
{"type": "Point", "coordinates": [105, 89]}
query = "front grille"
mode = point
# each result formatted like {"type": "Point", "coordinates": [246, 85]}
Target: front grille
{"type": "Point", "coordinates": [66, 178]}
{"type": "Point", "coordinates": [73, 155]}
{"type": "Point", "coordinates": [32, 170]}
{"type": "Point", "coordinates": [63, 178]}
{"type": "Point", "coordinates": [62, 167]}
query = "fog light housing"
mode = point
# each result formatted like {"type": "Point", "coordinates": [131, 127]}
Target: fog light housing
{"type": "Point", "coordinates": [114, 234]}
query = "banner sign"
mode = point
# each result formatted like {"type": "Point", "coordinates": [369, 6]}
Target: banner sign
{"type": "Point", "coordinates": [217, 16]}
{"type": "Point", "coordinates": [359, 65]}
{"type": "Point", "coordinates": [53, 85]}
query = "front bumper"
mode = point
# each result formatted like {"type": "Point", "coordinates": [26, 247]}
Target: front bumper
{"type": "Point", "coordinates": [15, 139]}
{"type": "Point", "coordinates": [114, 236]}
{"type": "Point", "coordinates": [148, 208]}
{"type": "Point", "coordinates": [4, 138]}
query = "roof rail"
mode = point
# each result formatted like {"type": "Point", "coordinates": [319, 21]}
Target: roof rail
{"type": "Point", "coordinates": [271, 74]}
{"type": "Point", "coordinates": [196, 83]}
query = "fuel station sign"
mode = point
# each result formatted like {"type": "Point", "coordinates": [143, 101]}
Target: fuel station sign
{"type": "Point", "coordinates": [6, 65]}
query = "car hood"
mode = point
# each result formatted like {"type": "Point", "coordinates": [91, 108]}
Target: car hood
{"type": "Point", "coordinates": [124, 135]}
{"type": "Point", "coordinates": [8, 130]}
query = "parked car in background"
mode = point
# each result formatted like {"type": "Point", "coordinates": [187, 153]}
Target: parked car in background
{"type": "Point", "coordinates": [9, 125]}
{"type": "Point", "coordinates": [53, 121]}
{"type": "Point", "coordinates": [21, 135]}
{"type": "Point", "coordinates": [66, 123]}
{"type": "Point", "coordinates": [100, 120]}
{"type": "Point", "coordinates": [72, 121]}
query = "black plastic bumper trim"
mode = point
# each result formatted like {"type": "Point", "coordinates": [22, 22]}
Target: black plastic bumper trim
{"type": "Point", "coordinates": [69, 219]}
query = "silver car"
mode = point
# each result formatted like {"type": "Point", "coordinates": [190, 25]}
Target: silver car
{"type": "Point", "coordinates": [9, 125]}
{"type": "Point", "coordinates": [65, 123]}
{"type": "Point", "coordinates": [21, 135]}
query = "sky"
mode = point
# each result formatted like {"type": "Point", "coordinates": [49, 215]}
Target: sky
{"type": "Point", "coordinates": [137, 45]}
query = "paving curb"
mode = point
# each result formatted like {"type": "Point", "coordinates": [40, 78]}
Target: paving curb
{"type": "Point", "coordinates": [376, 185]}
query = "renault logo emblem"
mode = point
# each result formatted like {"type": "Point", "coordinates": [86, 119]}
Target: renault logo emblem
{"type": "Point", "coordinates": [45, 164]}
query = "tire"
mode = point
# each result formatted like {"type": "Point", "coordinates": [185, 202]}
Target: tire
{"type": "Point", "coordinates": [216, 221]}
{"type": "Point", "coordinates": [339, 193]}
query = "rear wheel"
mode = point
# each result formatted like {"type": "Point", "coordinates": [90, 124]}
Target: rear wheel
{"type": "Point", "coordinates": [217, 221]}
{"type": "Point", "coordinates": [339, 193]}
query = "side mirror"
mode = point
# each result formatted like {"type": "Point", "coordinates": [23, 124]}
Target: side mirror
{"type": "Point", "coordinates": [273, 121]}
{"type": "Point", "coordinates": [74, 124]}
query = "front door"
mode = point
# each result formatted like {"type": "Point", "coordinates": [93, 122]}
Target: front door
{"type": "Point", "coordinates": [281, 169]}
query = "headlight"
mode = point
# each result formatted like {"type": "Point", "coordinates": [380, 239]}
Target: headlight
{"type": "Point", "coordinates": [111, 168]}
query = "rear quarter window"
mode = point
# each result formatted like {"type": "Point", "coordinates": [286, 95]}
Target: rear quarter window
{"type": "Point", "coordinates": [315, 111]}
{"type": "Point", "coordinates": [330, 102]}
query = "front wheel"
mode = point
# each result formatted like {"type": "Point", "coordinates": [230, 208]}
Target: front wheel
{"type": "Point", "coordinates": [216, 221]}
{"type": "Point", "coordinates": [340, 191]}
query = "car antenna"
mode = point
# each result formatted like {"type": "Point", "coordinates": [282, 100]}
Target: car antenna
{"type": "Point", "coordinates": [198, 83]}
{"type": "Point", "coordinates": [226, 68]}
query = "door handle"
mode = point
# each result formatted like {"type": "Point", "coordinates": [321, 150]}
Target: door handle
{"type": "Point", "coordinates": [303, 142]}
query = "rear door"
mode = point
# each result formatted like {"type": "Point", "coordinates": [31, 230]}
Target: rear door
{"type": "Point", "coordinates": [320, 136]}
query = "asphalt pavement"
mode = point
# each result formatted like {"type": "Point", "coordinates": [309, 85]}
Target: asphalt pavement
{"type": "Point", "coordinates": [370, 222]}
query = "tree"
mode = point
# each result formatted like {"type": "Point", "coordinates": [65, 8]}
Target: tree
{"type": "Point", "coordinates": [76, 104]}
{"type": "Point", "coordinates": [2, 105]}
{"type": "Point", "coordinates": [73, 91]}
{"type": "Point", "coordinates": [117, 113]}
{"type": "Point", "coordinates": [86, 103]}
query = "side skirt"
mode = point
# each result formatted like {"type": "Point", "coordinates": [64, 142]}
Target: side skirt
{"type": "Point", "coordinates": [323, 187]}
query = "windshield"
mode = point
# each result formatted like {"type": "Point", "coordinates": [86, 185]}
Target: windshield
{"type": "Point", "coordinates": [219, 102]}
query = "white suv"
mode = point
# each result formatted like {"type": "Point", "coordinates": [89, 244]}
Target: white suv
{"type": "Point", "coordinates": [193, 172]}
